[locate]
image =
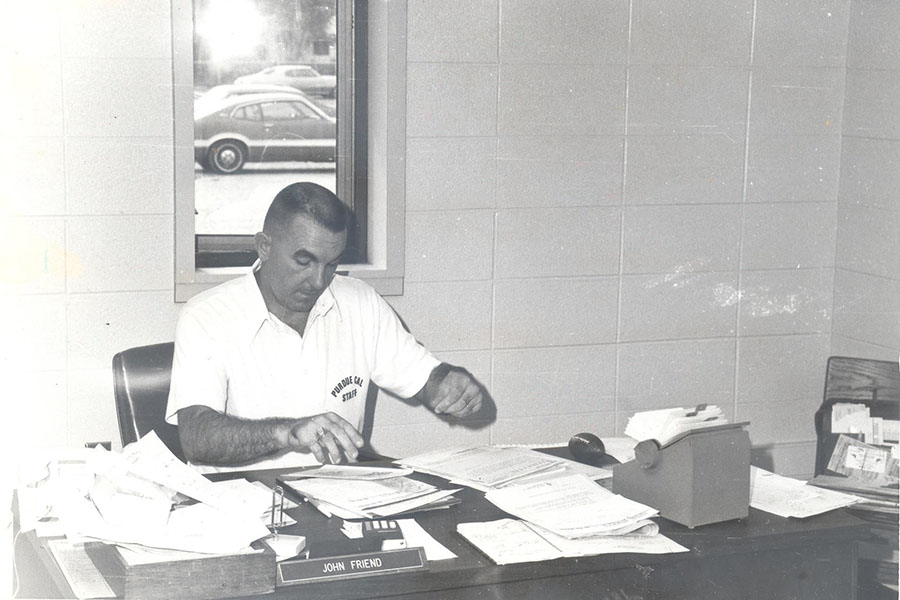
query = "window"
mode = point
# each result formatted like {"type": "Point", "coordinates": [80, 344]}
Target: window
{"type": "Point", "coordinates": [345, 130]}
{"type": "Point", "coordinates": [250, 113]}
{"type": "Point", "coordinates": [302, 73]}
{"type": "Point", "coordinates": [286, 111]}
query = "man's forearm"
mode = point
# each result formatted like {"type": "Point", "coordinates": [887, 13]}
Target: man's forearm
{"type": "Point", "coordinates": [209, 437]}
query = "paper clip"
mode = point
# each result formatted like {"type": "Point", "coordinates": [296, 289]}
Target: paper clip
{"type": "Point", "coordinates": [277, 507]}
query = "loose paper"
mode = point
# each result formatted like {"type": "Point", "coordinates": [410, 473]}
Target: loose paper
{"type": "Point", "coordinates": [666, 424]}
{"type": "Point", "coordinates": [349, 472]}
{"type": "Point", "coordinates": [572, 506]}
{"type": "Point", "coordinates": [788, 497]}
{"type": "Point", "coordinates": [508, 541]}
{"type": "Point", "coordinates": [417, 537]}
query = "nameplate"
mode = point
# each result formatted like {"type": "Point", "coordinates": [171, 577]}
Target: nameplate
{"type": "Point", "coordinates": [311, 570]}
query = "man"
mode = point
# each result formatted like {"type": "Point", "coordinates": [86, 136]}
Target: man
{"type": "Point", "coordinates": [275, 365]}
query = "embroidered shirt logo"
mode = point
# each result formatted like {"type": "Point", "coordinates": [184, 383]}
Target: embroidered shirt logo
{"type": "Point", "coordinates": [347, 388]}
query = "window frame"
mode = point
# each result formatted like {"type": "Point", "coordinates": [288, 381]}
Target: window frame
{"type": "Point", "coordinates": [382, 24]}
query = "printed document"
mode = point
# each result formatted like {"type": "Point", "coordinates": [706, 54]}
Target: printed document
{"type": "Point", "coordinates": [130, 501]}
{"type": "Point", "coordinates": [851, 418]}
{"type": "Point", "coordinates": [508, 541]}
{"type": "Point", "coordinates": [151, 459]}
{"type": "Point", "coordinates": [354, 499]}
{"type": "Point", "coordinates": [787, 497]}
{"type": "Point", "coordinates": [482, 467]}
{"type": "Point", "coordinates": [490, 467]}
{"type": "Point", "coordinates": [572, 507]}
{"type": "Point", "coordinates": [349, 472]}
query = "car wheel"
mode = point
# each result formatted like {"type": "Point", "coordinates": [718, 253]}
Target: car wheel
{"type": "Point", "coordinates": [204, 163]}
{"type": "Point", "coordinates": [226, 156]}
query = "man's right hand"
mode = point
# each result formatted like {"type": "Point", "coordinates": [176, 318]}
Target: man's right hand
{"type": "Point", "coordinates": [328, 436]}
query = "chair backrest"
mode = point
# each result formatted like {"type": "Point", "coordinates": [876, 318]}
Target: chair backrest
{"type": "Point", "coordinates": [141, 378]}
{"type": "Point", "coordinates": [875, 383]}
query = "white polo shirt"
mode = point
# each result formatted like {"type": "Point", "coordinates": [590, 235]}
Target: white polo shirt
{"type": "Point", "coordinates": [235, 357]}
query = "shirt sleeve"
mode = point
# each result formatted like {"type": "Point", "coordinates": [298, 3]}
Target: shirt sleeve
{"type": "Point", "coordinates": [402, 364]}
{"type": "Point", "coordinates": [198, 372]}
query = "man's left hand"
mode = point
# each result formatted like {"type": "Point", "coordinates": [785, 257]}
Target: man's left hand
{"type": "Point", "coordinates": [453, 392]}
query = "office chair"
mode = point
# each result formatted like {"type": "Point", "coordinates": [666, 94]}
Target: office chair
{"type": "Point", "coordinates": [875, 383]}
{"type": "Point", "coordinates": [141, 377]}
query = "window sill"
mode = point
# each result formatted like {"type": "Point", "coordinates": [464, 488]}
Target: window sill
{"type": "Point", "coordinates": [380, 279]}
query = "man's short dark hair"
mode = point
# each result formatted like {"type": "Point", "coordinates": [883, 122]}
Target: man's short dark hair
{"type": "Point", "coordinates": [319, 203]}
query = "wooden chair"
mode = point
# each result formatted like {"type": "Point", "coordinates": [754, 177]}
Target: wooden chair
{"type": "Point", "coordinates": [855, 380]}
{"type": "Point", "coordinates": [875, 383]}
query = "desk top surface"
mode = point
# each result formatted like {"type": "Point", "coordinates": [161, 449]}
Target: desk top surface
{"type": "Point", "coordinates": [759, 533]}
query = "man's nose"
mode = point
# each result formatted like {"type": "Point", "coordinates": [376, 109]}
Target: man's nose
{"type": "Point", "coordinates": [318, 278]}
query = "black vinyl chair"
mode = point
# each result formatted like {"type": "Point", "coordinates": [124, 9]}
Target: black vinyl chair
{"type": "Point", "coordinates": [141, 377]}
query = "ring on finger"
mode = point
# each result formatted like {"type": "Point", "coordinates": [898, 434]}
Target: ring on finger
{"type": "Point", "coordinates": [320, 432]}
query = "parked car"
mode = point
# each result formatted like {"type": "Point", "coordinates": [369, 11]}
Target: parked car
{"type": "Point", "coordinates": [262, 128]}
{"type": "Point", "coordinates": [214, 96]}
{"type": "Point", "coordinates": [302, 77]}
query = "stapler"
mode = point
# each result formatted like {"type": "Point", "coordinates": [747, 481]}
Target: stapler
{"type": "Point", "coordinates": [697, 478]}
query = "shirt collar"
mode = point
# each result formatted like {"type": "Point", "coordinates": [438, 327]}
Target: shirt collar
{"type": "Point", "coordinates": [258, 312]}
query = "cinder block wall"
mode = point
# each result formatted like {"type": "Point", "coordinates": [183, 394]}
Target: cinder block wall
{"type": "Point", "coordinates": [612, 205]}
{"type": "Point", "coordinates": [624, 205]}
{"type": "Point", "coordinates": [867, 274]}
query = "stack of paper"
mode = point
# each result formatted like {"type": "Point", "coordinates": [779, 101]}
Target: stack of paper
{"type": "Point", "coordinates": [258, 499]}
{"type": "Point", "coordinates": [875, 499]}
{"type": "Point", "coordinates": [491, 467]}
{"type": "Point", "coordinates": [508, 541]}
{"type": "Point", "coordinates": [131, 502]}
{"type": "Point", "coordinates": [350, 472]}
{"type": "Point", "coordinates": [573, 507]}
{"type": "Point", "coordinates": [667, 424]}
{"type": "Point", "coordinates": [565, 516]}
{"type": "Point", "coordinates": [787, 497]}
{"type": "Point", "coordinates": [855, 419]}
{"type": "Point", "coordinates": [369, 499]}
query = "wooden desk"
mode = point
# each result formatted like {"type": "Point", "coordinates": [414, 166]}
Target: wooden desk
{"type": "Point", "coordinates": [763, 556]}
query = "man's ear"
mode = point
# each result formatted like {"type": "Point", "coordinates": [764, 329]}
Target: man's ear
{"type": "Point", "coordinates": [263, 244]}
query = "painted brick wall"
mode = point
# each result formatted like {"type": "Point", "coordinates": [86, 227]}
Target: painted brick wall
{"type": "Point", "coordinates": [623, 205]}
{"type": "Point", "coordinates": [867, 274]}
{"type": "Point", "coordinates": [613, 205]}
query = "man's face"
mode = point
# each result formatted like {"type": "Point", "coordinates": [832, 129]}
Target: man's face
{"type": "Point", "coordinates": [299, 261]}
